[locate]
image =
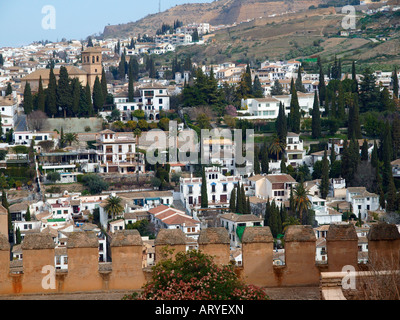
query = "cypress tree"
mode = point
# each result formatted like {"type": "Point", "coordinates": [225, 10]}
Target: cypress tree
{"type": "Point", "coordinates": [104, 90]}
{"type": "Point", "coordinates": [88, 95]}
{"type": "Point", "coordinates": [264, 160]}
{"type": "Point", "coordinates": [267, 216]}
{"type": "Point", "coordinates": [321, 83]}
{"type": "Point", "coordinates": [204, 194]}
{"type": "Point", "coordinates": [295, 115]}
{"type": "Point", "coordinates": [283, 164]}
{"type": "Point", "coordinates": [98, 100]}
{"type": "Point", "coordinates": [248, 206]}
{"type": "Point", "coordinates": [341, 113]}
{"type": "Point", "coordinates": [387, 150]}
{"type": "Point", "coordinates": [257, 90]}
{"type": "Point", "coordinates": [243, 200]}
{"type": "Point", "coordinates": [28, 100]}
{"type": "Point", "coordinates": [121, 68]}
{"type": "Point", "coordinates": [18, 237]}
{"type": "Point", "coordinates": [391, 196]}
{"type": "Point", "coordinates": [273, 221]}
{"type": "Point", "coordinates": [257, 168]}
{"type": "Point", "coordinates": [64, 91]}
{"type": "Point", "coordinates": [364, 151]}
{"type": "Point", "coordinates": [299, 82]}
{"type": "Point", "coordinates": [51, 96]}
{"type": "Point", "coordinates": [283, 214]}
{"type": "Point", "coordinates": [28, 214]}
{"type": "Point", "coordinates": [9, 89]}
{"type": "Point", "coordinates": [333, 155]}
{"type": "Point", "coordinates": [374, 156]}
{"type": "Point", "coordinates": [281, 123]}
{"type": "Point", "coordinates": [332, 110]}
{"type": "Point", "coordinates": [131, 89]}
{"type": "Point", "coordinates": [76, 97]}
{"type": "Point", "coordinates": [395, 83]}
{"type": "Point", "coordinates": [316, 118]}
{"type": "Point", "coordinates": [41, 102]}
{"type": "Point", "coordinates": [232, 200]}
{"type": "Point", "coordinates": [324, 187]}
{"type": "Point", "coordinates": [239, 203]}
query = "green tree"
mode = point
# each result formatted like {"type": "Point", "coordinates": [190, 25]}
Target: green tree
{"type": "Point", "coordinates": [232, 200]}
{"type": "Point", "coordinates": [277, 146]}
{"type": "Point", "coordinates": [18, 238]}
{"type": "Point", "coordinates": [76, 98]}
{"type": "Point", "coordinates": [204, 194]}
{"type": "Point", "coordinates": [294, 116]}
{"type": "Point", "coordinates": [395, 84]}
{"type": "Point", "coordinates": [321, 83]}
{"type": "Point", "coordinates": [53, 176]}
{"type": "Point", "coordinates": [114, 207]}
{"type": "Point", "coordinates": [95, 183]}
{"type": "Point", "coordinates": [51, 96]}
{"type": "Point", "coordinates": [316, 118]}
{"type": "Point", "coordinates": [299, 82]}
{"type": "Point", "coordinates": [104, 90]}
{"type": "Point", "coordinates": [41, 100]}
{"type": "Point", "coordinates": [9, 89]}
{"type": "Point", "coordinates": [301, 200]}
{"type": "Point", "coordinates": [28, 214]}
{"type": "Point", "coordinates": [276, 89]}
{"type": "Point", "coordinates": [98, 100]}
{"type": "Point", "coordinates": [324, 186]}
{"type": "Point", "coordinates": [28, 100]}
{"type": "Point", "coordinates": [281, 123]}
{"type": "Point", "coordinates": [71, 138]}
{"type": "Point", "coordinates": [257, 90]}
{"type": "Point", "coordinates": [64, 91]}
{"type": "Point", "coordinates": [364, 151]}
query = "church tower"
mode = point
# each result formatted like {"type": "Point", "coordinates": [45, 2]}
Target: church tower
{"type": "Point", "coordinates": [91, 63]}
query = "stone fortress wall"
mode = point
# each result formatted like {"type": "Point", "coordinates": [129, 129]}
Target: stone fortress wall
{"type": "Point", "coordinates": [125, 272]}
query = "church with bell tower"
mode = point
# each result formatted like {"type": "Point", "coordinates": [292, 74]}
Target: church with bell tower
{"type": "Point", "coordinates": [92, 64]}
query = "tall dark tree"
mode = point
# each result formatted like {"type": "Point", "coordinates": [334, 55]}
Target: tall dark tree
{"type": "Point", "coordinates": [51, 95]}
{"type": "Point", "coordinates": [64, 91]}
{"type": "Point", "coordinates": [204, 194]}
{"type": "Point", "coordinates": [364, 151]}
{"type": "Point", "coordinates": [98, 100]}
{"type": "Point", "coordinates": [104, 90]}
{"type": "Point", "coordinates": [374, 156]}
{"type": "Point", "coordinates": [257, 90]}
{"type": "Point", "coordinates": [395, 84]}
{"type": "Point", "coordinates": [9, 89]}
{"type": "Point", "coordinates": [341, 105]}
{"type": "Point", "coordinates": [316, 118]}
{"type": "Point", "coordinates": [276, 88]}
{"type": "Point", "coordinates": [76, 98]}
{"type": "Point", "coordinates": [295, 115]}
{"type": "Point", "coordinates": [232, 200]}
{"type": "Point", "coordinates": [321, 83]}
{"type": "Point", "coordinates": [28, 99]}
{"type": "Point", "coordinates": [131, 89]}
{"type": "Point", "coordinates": [88, 100]}
{"type": "Point", "coordinates": [281, 123]}
{"type": "Point", "coordinates": [41, 100]}
{"type": "Point", "coordinates": [299, 82]}
{"type": "Point", "coordinates": [324, 186]}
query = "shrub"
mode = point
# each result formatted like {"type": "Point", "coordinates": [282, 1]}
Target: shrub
{"type": "Point", "coordinates": [194, 276]}
{"type": "Point", "coordinates": [95, 183]}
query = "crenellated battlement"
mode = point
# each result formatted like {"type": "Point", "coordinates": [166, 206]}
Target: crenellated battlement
{"type": "Point", "coordinates": [125, 272]}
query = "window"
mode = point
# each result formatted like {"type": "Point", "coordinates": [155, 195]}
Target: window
{"type": "Point", "coordinates": [160, 101]}
{"type": "Point", "coordinates": [213, 188]}
{"type": "Point", "coordinates": [65, 260]}
{"type": "Point", "coordinates": [58, 260]}
{"type": "Point", "coordinates": [224, 187]}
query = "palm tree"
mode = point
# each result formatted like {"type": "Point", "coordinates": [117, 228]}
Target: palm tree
{"type": "Point", "coordinates": [114, 207]}
{"type": "Point", "coordinates": [276, 146]}
{"type": "Point", "coordinates": [301, 200]}
{"type": "Point", "coordinates": [70, 138]}
{"type": "Point", "coordinates": [290, 221]}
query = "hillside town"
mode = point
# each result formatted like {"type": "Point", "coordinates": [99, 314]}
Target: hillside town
{"type": "Point", "coordinates": [101, 136]}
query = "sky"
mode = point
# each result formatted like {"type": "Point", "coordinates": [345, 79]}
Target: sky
{"type": "Point", "coordinates": [22, 21]}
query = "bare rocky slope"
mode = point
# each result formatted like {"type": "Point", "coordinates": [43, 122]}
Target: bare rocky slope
{"type": "Point", "coordinates": [219, 12]}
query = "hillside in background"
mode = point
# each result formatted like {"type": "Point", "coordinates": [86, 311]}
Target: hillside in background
{"type": "Point", "coordinates": [219, 12]}
{"type": "Point", "coordinates": [302, 36]}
